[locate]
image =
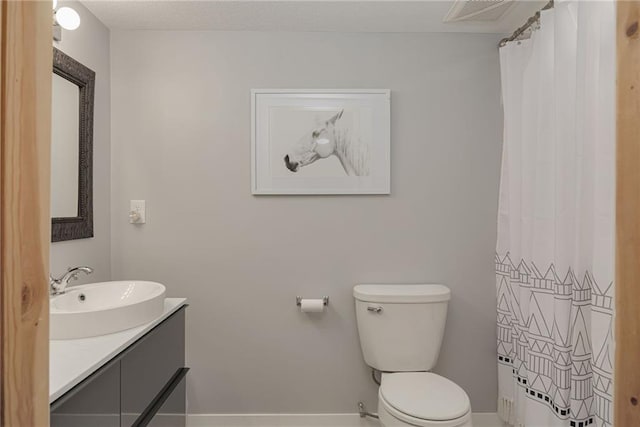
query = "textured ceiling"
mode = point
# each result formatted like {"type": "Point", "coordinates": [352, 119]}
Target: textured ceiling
{"type": "Point", "coordinates": [301, 15]}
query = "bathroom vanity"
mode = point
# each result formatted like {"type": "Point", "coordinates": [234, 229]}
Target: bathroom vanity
{"type": "Point", "coordinates": [134, 377]}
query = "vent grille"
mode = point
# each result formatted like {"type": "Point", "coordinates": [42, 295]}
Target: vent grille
{"type": "Point", "coordinates": [477, 10]}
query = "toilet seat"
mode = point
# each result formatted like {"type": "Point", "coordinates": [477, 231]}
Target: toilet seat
{"type": "Point", "coordinates": [424, 399]}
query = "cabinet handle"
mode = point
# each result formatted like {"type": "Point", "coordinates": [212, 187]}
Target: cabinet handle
{"type": "Point", "coordinates": [150, 411]}
{"type": "Point", "coordinates": [376, 310]}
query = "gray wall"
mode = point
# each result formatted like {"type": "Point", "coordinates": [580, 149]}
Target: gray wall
{"type": "Point", "coordinates": [181, 140]}
{"type": "Point", "coordinates": [89, 44]}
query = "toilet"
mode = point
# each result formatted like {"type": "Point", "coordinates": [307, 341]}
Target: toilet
{"type": "Point", "coordinates": [401, 329]}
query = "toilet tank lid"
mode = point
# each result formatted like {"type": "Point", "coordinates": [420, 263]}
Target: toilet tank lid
{"type": "Point", "coordinates": [407, 294]}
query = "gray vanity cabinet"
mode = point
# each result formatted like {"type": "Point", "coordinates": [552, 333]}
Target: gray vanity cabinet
{"type": "Point", "coordinates": [143, 386]}
{"type": "Point", "coordinates": [149, 366]}
{"type": "Point", "coordinates": [94, 402]}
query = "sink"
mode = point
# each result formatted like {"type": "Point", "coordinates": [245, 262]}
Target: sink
{"type": "Point", "coordinates": [104, 308]}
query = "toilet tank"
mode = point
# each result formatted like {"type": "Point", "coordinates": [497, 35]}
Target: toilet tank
{"type": "Point", "coordinates": [401, 326]}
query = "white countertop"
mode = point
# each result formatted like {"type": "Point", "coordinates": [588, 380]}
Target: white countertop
{"type": "Point", "coordinates": [71, 361]}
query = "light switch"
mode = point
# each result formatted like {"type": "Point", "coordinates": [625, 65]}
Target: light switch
{"type": "Point", "coordinates": [137, 212]}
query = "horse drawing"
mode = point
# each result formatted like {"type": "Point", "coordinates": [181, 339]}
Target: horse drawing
{"type": "Point", "coordinates": [330, 139]}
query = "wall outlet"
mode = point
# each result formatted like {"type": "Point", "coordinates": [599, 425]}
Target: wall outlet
{"type": "Point", "coordinates": [137, 212]}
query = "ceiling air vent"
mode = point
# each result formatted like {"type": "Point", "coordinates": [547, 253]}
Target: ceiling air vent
{"type": "Point", "coordinates": [477, 10]}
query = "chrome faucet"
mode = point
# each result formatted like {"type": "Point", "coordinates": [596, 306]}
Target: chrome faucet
{"type": "Point", "coordinates": [58, 285]}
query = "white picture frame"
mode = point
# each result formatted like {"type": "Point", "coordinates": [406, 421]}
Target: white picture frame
{"type": "Point", "coordinates": [318, 141]}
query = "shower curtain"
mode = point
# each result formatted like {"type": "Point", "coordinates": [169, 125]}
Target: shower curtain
{"type": "Point", "coordinates": [555, 249]}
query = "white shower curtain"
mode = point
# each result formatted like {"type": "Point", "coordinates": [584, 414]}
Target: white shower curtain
{"type": "Point", "coordinates": [555, 250]}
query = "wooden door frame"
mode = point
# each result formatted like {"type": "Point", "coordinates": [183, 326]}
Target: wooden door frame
{"type": "Point", "coordinates": [627, 314]}
{"type": "Point", "coordinates": [25, 140]}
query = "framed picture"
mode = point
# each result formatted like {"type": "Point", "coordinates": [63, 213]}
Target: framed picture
{"type": "Point", "coordinates": [320, 141]}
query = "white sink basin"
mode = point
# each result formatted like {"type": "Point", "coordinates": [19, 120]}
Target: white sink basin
{"type": "Point", "coordinates": [105, 307]}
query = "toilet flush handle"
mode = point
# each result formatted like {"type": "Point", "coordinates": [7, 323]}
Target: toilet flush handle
{"type": "Point", "coordinates": [376, 310]}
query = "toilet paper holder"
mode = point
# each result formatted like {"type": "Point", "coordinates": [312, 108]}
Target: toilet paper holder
{"type": "Point", "coordinates": [325, 301]}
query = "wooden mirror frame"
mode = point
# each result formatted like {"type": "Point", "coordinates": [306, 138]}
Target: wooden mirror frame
{"type": "Point", "coordinates": [81, 226]}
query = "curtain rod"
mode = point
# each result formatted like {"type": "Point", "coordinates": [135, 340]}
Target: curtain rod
{"type": "Point", "coordinates": [517, 33]}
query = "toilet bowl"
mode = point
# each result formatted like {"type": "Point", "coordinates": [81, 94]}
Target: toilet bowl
{"type": "Point", "coordinates": [401, 329]}
{"type": "Point", "coordinates": [422, 399]}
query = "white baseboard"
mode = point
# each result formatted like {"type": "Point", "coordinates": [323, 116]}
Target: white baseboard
{"type": "Point", "coordinates": [480, 419]}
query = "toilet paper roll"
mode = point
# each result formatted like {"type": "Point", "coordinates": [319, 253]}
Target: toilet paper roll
{"type": "Point", "coordinates": [312, 306]}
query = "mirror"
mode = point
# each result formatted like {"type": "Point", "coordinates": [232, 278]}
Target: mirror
{"type": "Point", "coordinates": [71, 149]}
{"type": "Point", "coordinates": [65, 139]}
